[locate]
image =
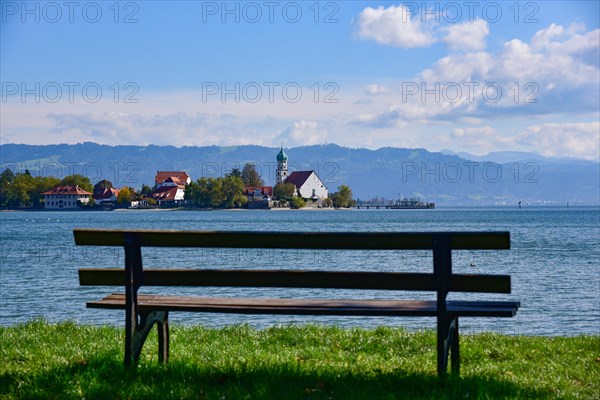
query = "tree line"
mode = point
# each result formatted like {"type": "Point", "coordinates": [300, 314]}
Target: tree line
{"type": "Point", "coordinates": [22, 190]}
{"type": "Point", "coordinates": [225, 192]}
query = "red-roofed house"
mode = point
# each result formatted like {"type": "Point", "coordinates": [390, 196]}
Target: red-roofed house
{"type": "Point", "coordinates": [170, 187]}
{"type": "Point", "coordinates": [258, 196]}
{"type": "Point", "coordinates": [179, 177]}
{"type": "Point", "coordinates": [168, 195]}
{"type": "Point", "coordinates": [258, 192]}
{"type": "Point", "coordinates": [65, 197]}
{"type": "Point", "coordinates": [106, 195]}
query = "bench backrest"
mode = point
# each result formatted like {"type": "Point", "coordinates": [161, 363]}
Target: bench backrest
{"type": "Point", "coordinates": [440, 243]}
{"type": "Point", "coordinates": [296, 240]}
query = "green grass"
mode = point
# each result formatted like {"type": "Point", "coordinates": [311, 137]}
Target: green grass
{"type": "Point", "coordinates": [46, 361]}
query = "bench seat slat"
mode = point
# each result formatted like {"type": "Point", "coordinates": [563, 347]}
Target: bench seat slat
{"type": "Point", "coordinates": [295, 240]}
{"type": "Point", "coordinates": [309, 306]}
{"type": "Point", "coordinates": [297, 279]}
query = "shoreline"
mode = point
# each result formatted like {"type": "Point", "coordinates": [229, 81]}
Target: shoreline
{"type": "Point", "coordinates": [445, 208]}
{"type": "Point", "coordinates": [118, 325]}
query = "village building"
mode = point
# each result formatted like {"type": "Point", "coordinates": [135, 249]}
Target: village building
{"type": "Point", "coordinates": [106, 196]}
{"type": "Point", "coordinates": [169, 188]}
{"type": "Point", "coordinates": [258, 196]}
{"type": "Point", "coordinates": [180, 176]}
{"type": "Point", "coordinates": [142, 203]}
{"type": "Point", "coordinates": [308, 184]}
{"type": "Point", "coordinates": [65, 197]}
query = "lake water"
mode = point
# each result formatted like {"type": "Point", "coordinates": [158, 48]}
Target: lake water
{"type": "Point", "coordinates": [554, 263]}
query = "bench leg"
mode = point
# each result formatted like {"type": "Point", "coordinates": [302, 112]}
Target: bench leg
{"type": "Point", "coordinates": [442, 347]}
{"type": "Point", "coordinates": [447, 345]}
{"type": "Point", "coordinates": [454, 347]}
{"type": "Point", "coordinates": [163, 338]}
{"type": "Point", "coordinates": [135, 341]}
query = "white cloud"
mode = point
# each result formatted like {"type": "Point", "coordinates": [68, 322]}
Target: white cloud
{"type": "Point", "coordinates": [543, 38]}
{"type": "Point", "coordinates": [177, 129]}
{"type": "Point", "coordinates": [552, 54]}
{"type": "Point", "coordinates": [578, 139]}
{"type": "Point", "coordinates": [556, 73]}
{"type": "Point", "coordinates": [404, 125]}
{"type": "Point", "coordinates": [303, 133]}
{"type": "Point", "coordinates": [567, 59]}
{"type": "Point", "coordinates": [376, 90]}
{"type": "Point", "coordinates": [467, 36]}
{"type": "Point", "coordinates": [581, 140]}
{"type": "Point", "coordinates": [467, 67]}
{"type": "Point", "coordinates": [480, 132]}
{"type": "Point", "coordinates": [476, 140]}
{"type": "Point", "coordinates": [394, 26]}
{"type": "Point", "coordinates": [480, 128]}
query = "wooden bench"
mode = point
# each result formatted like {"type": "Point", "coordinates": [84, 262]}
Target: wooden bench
{"type": "Point", "coordinates": [142, 311]}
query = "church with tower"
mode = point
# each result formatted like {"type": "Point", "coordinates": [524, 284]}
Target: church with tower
{"type": "Point", "coordinates": [308, 184]}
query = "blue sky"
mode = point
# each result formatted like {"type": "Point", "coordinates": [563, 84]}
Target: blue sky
{"type": "Point", "coordinates": [466, 76]}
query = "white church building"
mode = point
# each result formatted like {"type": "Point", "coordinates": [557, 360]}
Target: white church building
{"type": "Point", "coordinates": [307, 183]}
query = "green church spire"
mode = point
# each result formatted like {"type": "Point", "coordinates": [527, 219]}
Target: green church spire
{"type": "Point", "coordinates": [282, 156]}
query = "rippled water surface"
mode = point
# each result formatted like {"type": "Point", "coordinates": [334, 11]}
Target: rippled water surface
{"type": "Point", "coordinates": [554, 262]}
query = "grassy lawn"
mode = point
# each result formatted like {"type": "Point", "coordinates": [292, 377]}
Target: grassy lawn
{"type": "Point", "coordinates": [64, 361]}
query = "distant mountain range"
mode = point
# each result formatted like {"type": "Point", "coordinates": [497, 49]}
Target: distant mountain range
{"type": "Point", "coordinates": [502, 157]}
{"type": "Point", "coordinates": [445, 178]}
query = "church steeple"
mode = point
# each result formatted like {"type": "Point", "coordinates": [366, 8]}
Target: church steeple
{"type": "Point", "coordinates": [282, 156]}
{"type": "Point", "coordinates": [282, 172]}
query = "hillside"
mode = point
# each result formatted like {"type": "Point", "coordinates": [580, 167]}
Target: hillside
{"type": "Point", "coordinates": [447, 179]}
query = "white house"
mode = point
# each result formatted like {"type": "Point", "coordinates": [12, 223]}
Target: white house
{"type": "Point", "coordinates": [65, 197]}
{"type": "Point", "coordinates": [308, 184]}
